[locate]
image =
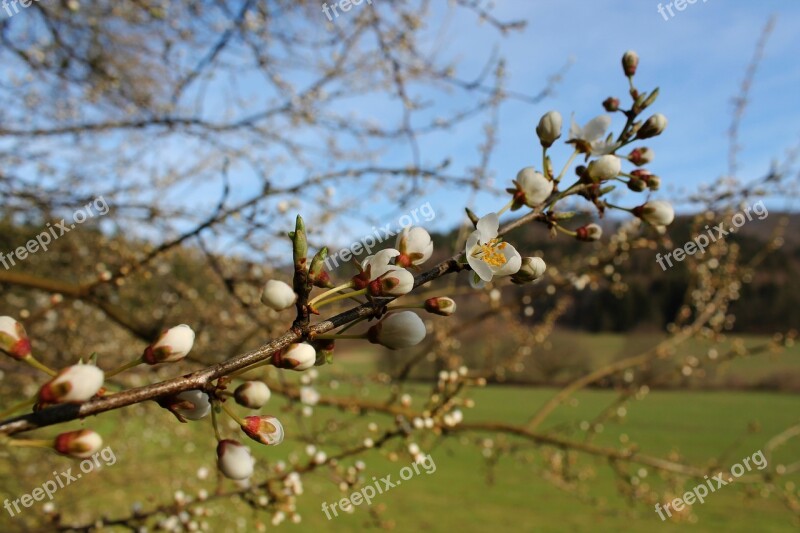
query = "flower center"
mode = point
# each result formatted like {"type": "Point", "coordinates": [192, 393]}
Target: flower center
{"type": "Point", "coordinates": [491, 253]}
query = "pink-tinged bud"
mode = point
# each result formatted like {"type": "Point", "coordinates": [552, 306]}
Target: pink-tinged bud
{"type": "Point", "coordinates": [265, 429]}
{"type": "Point", "coordinates": [611, 104]}
{"type": "Point", "coordinates": [234, 460]}
{"type": "Point", "coordinates": [641, 156]}
{"type": "Point", "coordinates": [549, 128]}
{"type": "Point", "coordinates": [605, 168]}
{"type": "Point", "coordinates": [441, 305]}
{"type": "Point", "coordinates": [80, 444]}
{"type": "Point", "coordinates": [652, 127]}
{"type": "Point", "coordinates": [656, 213]}
{"type": "Point", "coordinates": [415, 246]}
{"type": "Point", "coordinates": [532, 187]}
{"type": "Point", "coordinates": [173, 345]}
{"type": "Point", "coordinates": [532, 269]}
{"type": "Point", "coordinates": [589, 232]}
{"type": "Point", "coordinates": [300, 356]}
{"type": "Point", "coordinates": [13, 339]}
{"type": "Point", "coordinates": [252, 394]}
{"type": "Point", "coordinates": [74, 384]}
{"type": "Point", "coordinates": [187, 405]}
{"type": "Point", "coordinates": [277, 295]}
{"type": "Point", "coordinates": [398, 330]}
{"type": "Point", "coordinates": [395, 282]}
{"type": "Point", "coordinates": [630, 62]}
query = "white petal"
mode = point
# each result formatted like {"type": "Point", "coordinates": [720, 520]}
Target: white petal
{"type": "Point", "coordinates": [487, 227]}
{"type": "Point", "coordinates": [512, 264]}
{"type": "Point", "coordinates": [596, 127]}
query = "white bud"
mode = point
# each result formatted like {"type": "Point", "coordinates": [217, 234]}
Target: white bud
{"type": "Point", "coordinates": [252, 394]}
{"type": "Point", "coordinates": [398, 330]}
{"type": "Point", "coordinates": [81, 444]}
{"type": "Point", "coordinates": [653, 126]}
{"type": "Point", "coordinates": [604, 168]}
{"type": "Point", "coordinates": [196, 405]}
{"type": "Point", "coordinates": [534, 186]}
{"type": "Point", "coordinates": [234, 460]}
{"type": "Point", "coordinates": [299, 356]}
{"type": "Point", "coordinates": [415, 246]}
{"type": "Point", "coordinates": [74, 384]}
{"type": "Point", "coordinates": [549, 128]}
{"type": "Point", "coordinates": [173, 345]}
{"type": "Point", "coordinates": [13, 339]}
{"type": "Point", "coordinates": [277, 295]}
{"type": "Point", "coordinates": [657, 213]}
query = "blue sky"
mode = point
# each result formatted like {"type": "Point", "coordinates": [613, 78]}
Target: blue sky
{"type": "Point", "coordinates": [698, 59]}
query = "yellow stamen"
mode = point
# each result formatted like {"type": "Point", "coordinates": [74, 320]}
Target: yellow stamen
{"type": "Point", "coordinates": [491, 253]}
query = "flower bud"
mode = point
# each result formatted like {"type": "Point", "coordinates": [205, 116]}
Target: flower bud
{"type": "Point", "coordinates": [398, 330]}
{"type": "Point", "coordinates": [604, 168]}
{"type": "Point", "coordinates": [611, 104]}
{"type": "Point", "coordinates": [173, 345]}
{"type": "Point", "coordinates": [641, 156]}
{"type": "Point", "coordinates": [299, 356]}
{"type": "Point", "coordinates": [234, 460]}
{"type": "Point", "coordinates": [637, 184]}
{"type": "Point", "coordinates": [13, 339]}
{"type": "Point", "coordinates": [317, 276]}
{"type": "Point", "coordinates": [252, 394]}
{"type": "Point", "coordinates": [533, 188]}
{"type": "Point", "coordinates": [549, 128]}
{"type": "Point", "coordinates": [656, 213]}
{"type": "Point", "coordinates": [654, 182]}
{"type": "Point", "coordinates": [79, 444]}
{"type": "Point", "coordinates": [630, 62]}
{"type": "Point", "coordinates": [532, 269]}
{"type": "Point", "coordinates": [589, 232]}
{"type": "Point", "coordinates": [187, 405]}
{"type": "Point", "coordinates": [652, 127]}
{"type": "Point", "coordinates": [441, 305]}
{"type": "Point", "coordinates": [415, 246]}
{"type": "Point", "coordinates": [395, 282]}
{"type": "Point", "coordinates": [74, 384]}
{"type": "Point", "coordinates": [277, 295]}
{"type": "Point", "coordinates": [265, 429]}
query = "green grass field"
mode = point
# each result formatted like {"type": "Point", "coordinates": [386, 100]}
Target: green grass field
{"type": "Point", "coordinates": [464, 493]}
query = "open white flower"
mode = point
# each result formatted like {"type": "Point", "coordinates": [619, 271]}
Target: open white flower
{"type": "Point", "coordinates": [74, 384]}
{"type": "Point", "coordinates": [234, 460]}
{"type": "Point", "coordinates": [590, 138]}
{"type": "Point", "coordinates": [398, 330]}
{"type": "Point", "coordinates": [173, 345]}
{"type": "Point", "coordinates": [487, 255]}
{"type": "Point", "coordinates": [277, 295]}
{"type": "Point", "coordinates": [415, 246]}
